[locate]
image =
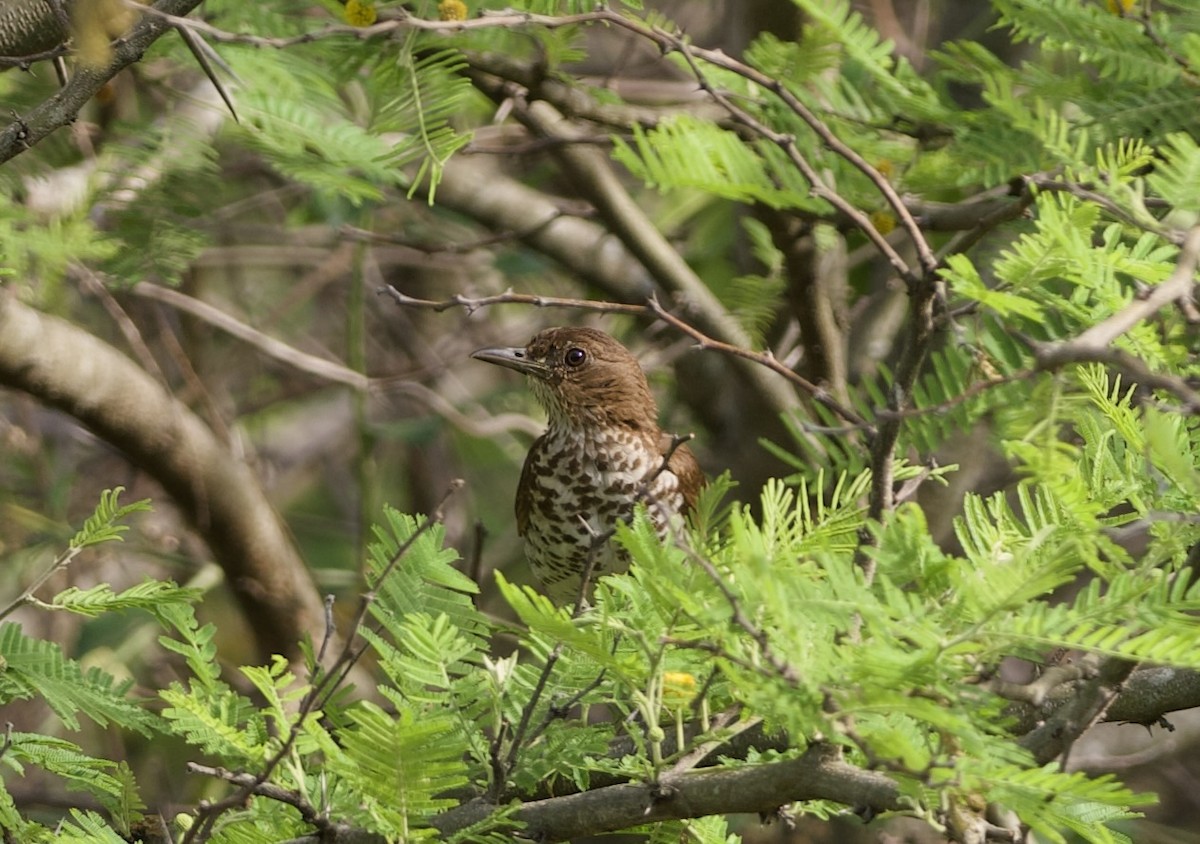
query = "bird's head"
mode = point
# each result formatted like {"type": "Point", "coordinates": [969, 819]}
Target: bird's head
{"type": "Point", "coordinates": [582, 377]}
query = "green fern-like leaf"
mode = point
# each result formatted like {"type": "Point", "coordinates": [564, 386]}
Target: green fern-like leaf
{"type": "Point", "coordinates": [686, 152]}
{"type": "Point", "coordinates": [1176, 177]}
{"type": "Point", "coordinates": [87, 828]}
{"type": "Point", "coordinates": [104, 524]}
{"type": "Point", "coordinates": [279, 690]}
{"type": "Point", "coordinates": [425, 579]}
{"type": "Point", "coordinates": [197, 646]}
{"type": "Point", "coordinates": [1099, 620]}
{"type": "Point", "coordinates": [109, 783]}
{"type": "Point", "coordinates": [218, 721]}
{"type": "Point", "coordinates": [862, 42]}
{"type": "Point", "coordinates": [149, 595]}
{"type": "Point", "coordinates": [36, 668]}
{"type": "Point", "coordinates": [419, 97]}
{"type": "Point", "coordinates": [1049, 800]}
{"type": "Point", "coordinates": [12, 820]}
{"type": "Point", "coordinates": [1115, 45]}
{"type": "Point", "coordinates": [399, 765]}
{"type": "Point", "coordinates": [433, 664]}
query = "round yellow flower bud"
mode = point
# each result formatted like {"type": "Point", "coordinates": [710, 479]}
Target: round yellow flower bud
{"type": "Point", "coordinates": [452, 10]}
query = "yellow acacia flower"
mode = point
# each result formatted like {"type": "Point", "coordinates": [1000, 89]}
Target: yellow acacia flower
{"type": "Point", "coordinates": [883, 221]}
{"type": "Point", "coordinates": [359, 13]}
{"type": "Point", "coordinates": [452, 10]}
{"type": "Point", "coordinates": [679, 687]}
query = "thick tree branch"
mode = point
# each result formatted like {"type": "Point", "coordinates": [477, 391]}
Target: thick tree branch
{"type": "Point", "coordinates": [1091, 701]}
{"type": "Point", "coordinates": [817, 775]}
{"type": "Point", "coordinates": [69, 369]}
{"type": "Point", "coordinates": [473, 187]}
{"type": "Point", "coordinates": [1146, 696]}
{"type": "Point", "coordinates": [1143, 697]}
{"type": "Point", "coordinates": [62, 108]}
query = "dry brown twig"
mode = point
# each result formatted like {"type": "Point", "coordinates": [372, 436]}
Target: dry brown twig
{"type": "Point", "coordinates": [652, 308]}
{"type": "Point", "coordinates": [1095, 345]}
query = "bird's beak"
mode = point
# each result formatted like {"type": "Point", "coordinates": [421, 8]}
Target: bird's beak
{"type": "Point", "coordinates": [513, 358]}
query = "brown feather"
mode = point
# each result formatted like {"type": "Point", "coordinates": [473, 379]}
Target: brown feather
{"type": "Point", "coordinates": [602, 455]}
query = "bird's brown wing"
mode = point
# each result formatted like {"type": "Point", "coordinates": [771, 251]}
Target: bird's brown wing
{"type": "Point", "coordinates": [523, 499]}
{"type": "Point", "coordinates": [684, 466]}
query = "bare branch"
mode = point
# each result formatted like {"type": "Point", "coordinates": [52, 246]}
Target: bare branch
{"type": "Point", "coordinates": [766, 359]}
{"type": "Point", "coordinates": [652, 308]}
{"type": "Point", "coordinates": [593, 171]}
{"type": "Point", "coordinates": [1088, 705]}
{"type": "Point", "coordinates": [293, 357]}
{"type": "Point", "coordinates": [787, 143]}
{"type": "Point", "coordinates": [508, 297]}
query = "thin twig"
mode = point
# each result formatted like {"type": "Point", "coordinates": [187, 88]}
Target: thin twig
{"type": "Point", "coordinates": [457, 248]}
{"type": "Point", "coordinates": [502, 767]}
{"type": "Point", "coordinates": [742, 620]}
{"type": "Point", "coordinates": [325, 369]}
{"type": "Point", "coordinates": [470, 305]}
{"type": "Point", "coordinates": [251, 783]}
{"type": "Point", "coordinates": [60, 562]}
{"type": "Point", "coordinates": [818, 394]}
{"type": "Point", "coordinates": [700, 752]}
{"type": "Point", "coordinates": [652, 308]}
{"type": "Point", "coordinates": [704, 341]}
{"type": "Point", "coordinates": [787, 143]}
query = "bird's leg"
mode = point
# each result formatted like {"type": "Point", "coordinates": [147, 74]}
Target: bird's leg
{"type": "Point", "coordinates": [676, 441]}
{"type": "Point", "coordinates": [598, 541]}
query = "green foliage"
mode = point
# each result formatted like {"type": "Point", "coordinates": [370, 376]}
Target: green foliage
{"type": "Point", "coordinates": [688, 152]}
{"type": "Point", "coordinates": [110, 783]}
{"type": "Point", "coordinates": [765, 612]}
{"type": "Point", "coordinates": [425, 582]}
{"type": "Point", "coordinates": [35, 668]}
{"type": "Point", "coordinates": [888, 669]}
{"type": "Point", "coordinates": [399, 767]}
{"type": "Point", "coordinates": [87, 828]}
{"type": "Point", "coordinates": [149, 595]}
{"type": "Point", "coordinates": [1176, 177]}
{"type": "Point", "coordinates": [104, 524]}
{"type": "Point", "coordinates": [386, 771]}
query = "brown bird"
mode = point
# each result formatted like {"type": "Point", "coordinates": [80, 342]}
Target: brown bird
{"type": "Point", "coordinates": [601, 455]}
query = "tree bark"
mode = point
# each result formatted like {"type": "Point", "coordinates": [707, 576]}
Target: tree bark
{"type": "Point", "coordinates": [69, 369]}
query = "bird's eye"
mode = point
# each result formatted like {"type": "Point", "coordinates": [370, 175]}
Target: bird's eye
{"type": "Point", "coordinates": [575, 356]}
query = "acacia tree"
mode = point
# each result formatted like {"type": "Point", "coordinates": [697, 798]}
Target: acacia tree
{"type": "Point", "coordinates": [928, 300]}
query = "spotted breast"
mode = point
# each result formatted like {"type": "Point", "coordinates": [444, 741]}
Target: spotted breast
{"type": "Point", "coordinates": [603, 452]}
